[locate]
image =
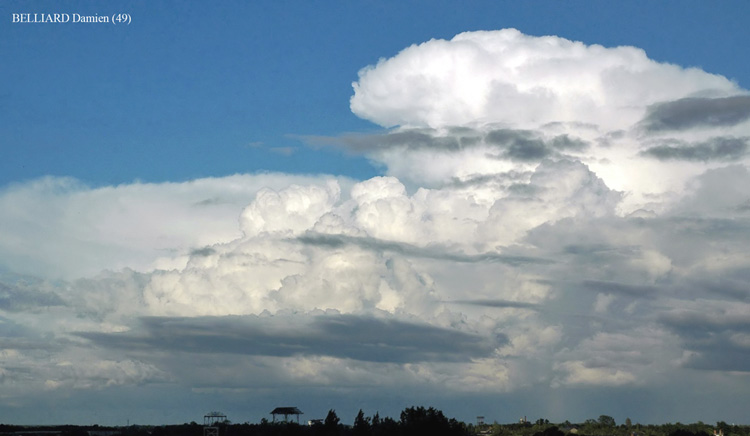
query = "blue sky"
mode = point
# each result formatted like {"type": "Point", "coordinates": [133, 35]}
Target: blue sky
{"type": "Point", "coordinates": [187, 88]}
{"type": "Point", "coordinates": [495, 208]}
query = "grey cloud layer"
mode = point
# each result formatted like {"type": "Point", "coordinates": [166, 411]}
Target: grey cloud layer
{"type": "Point", "coordinates": [343, 336]}
{"type": "Point", "coordinates": [620, 288]}
{"type": "Point", "coordinates": [500, 304]}
{"type": "Point", "coordinates": [688, 113]}
{"type": "Point", "coordinates": [522, 145]}
{"type": "Point", "coordinates": [14, 298]}
{"type": "Point", "coordinates": [716, 149]}
{"type": "Point", "coordinates": [720, 341]}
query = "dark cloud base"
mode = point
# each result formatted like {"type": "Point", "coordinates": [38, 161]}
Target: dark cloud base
{"type": "Point", "coordinates": [354, 337]}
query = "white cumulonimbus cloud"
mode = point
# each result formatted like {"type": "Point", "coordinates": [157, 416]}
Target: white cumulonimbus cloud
{"type": "Point", "coordinates": [523, 81]}
{"type": "Point", "coordinates": [544, 201]}
{"type": "Point", "coordinates": [496, 102]}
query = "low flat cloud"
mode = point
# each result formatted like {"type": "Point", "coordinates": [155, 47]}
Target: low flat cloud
{"type": "Point", "coordinates": [717, 340]}
{"type": "Point", "coordinates": [14, 298]}
{"type": "Point", "coordinates": [621, 288]}
{"type": "Point", "coordinates": [413, 139]}
{"type": "Point", "coordinates": [716, 149]}
{"type": "Point", "coordinates": [689, 113]}
{"type": "Point", "coordinates": [432, 251]}
{"type": "Point", "coordinates": [526, 145]}
{"type": "Point", "coordinates": [500, 304]}
{"type": "Point", "coordinates": [514, 144]}
{"type": "Point", "coordinates": [343, 336]}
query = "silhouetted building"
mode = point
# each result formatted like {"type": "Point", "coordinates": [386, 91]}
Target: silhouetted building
{"type": "Point", "coordinates": [286, 411]}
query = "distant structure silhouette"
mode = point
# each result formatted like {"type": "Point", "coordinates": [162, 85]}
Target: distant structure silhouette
{"type": "Point", "coordinates": [286, 411]}
{"type": "Point", "coordinates": [211, 420]}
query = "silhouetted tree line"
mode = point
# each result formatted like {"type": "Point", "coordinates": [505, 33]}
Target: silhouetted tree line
{"type": "Point", "coordinates": [413, 421]}
{"type": "Point", "coordinates": [606, 426]}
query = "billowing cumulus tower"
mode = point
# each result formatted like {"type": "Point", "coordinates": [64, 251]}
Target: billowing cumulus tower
{"type": "Point", "coordinates": [552, 215]}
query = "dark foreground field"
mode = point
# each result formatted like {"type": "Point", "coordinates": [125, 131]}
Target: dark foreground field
{"type": "Point", "coordinates": [413, 421]}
